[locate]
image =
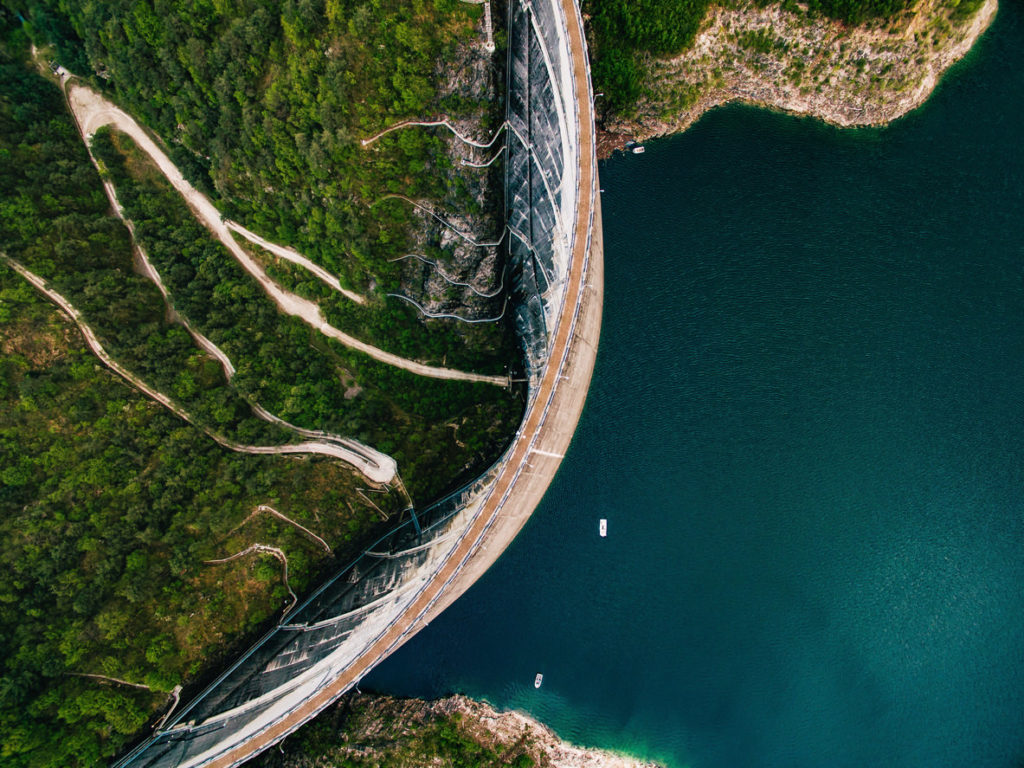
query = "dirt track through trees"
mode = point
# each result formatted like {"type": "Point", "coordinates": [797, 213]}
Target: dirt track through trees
{"type": "Point", "coordinates": [369, 464]}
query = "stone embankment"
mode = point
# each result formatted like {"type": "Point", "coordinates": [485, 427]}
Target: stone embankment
{"type": "Point", "coordinates": [544, 745]}
{"type": "Point", "coordinates": [804, 64]}
{"type": "Point", "coordinates": [458, 279]}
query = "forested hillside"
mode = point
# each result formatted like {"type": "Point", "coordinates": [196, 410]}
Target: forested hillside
{"type": "Point", "coordinates": [264, 103]}
{"type": "Point", "coordinates": [366, 731]}
{"type": "Point", "coordinates": [290, 369]}
{"type": "Point", "coordinates": [109, 504]}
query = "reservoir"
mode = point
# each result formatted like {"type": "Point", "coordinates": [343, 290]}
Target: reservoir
{"type": "Point", "coordinates": [806, 433]}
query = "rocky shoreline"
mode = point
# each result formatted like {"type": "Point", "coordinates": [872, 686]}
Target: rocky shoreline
{"type": "Point", "coordinates": [366, 729]}
{"type": "Point", "coordinates": [545, 746]}
{"type": "Point", "coordinates": [804, 64]}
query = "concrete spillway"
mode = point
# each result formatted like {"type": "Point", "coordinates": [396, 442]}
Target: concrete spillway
{"type": "Point", "coordinates": [325, 646]}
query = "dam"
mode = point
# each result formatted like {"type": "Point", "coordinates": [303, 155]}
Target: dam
{"type": "Point", "coordinates": [327, 644]}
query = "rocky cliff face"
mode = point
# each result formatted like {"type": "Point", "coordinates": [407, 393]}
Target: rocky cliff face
{"type": "Point", "coordinates": [537, 740]}
{"type": "Point", "coordinates": [454, 276]}
{"type": "Point", "coordinates": [806, 64]}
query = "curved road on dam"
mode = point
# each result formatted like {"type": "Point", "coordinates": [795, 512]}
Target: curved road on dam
{"type": "Point", "coordinates": [536, 454]}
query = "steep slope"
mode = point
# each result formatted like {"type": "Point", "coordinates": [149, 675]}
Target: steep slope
{"type": "Point", "coordinates": [371, 731]}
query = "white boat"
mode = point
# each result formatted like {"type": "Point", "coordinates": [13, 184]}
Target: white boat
{"type": "Point", "coordinates": [638, 149]}
{"type": "Point", "coordinates": [538, 680]}
{"type": "Point", "coordinates": [603, 527]}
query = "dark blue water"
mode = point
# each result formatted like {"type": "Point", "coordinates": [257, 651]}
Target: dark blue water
{"type": "Point", "coordinates": [806, 429]}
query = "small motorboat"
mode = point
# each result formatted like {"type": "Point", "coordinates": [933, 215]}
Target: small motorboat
{"type": "Point", "coordinates": [538, 680]}
{"type": "Point", "coordinates": [603, 527]}
{"type": "Point", "coordinates": [635, 147]}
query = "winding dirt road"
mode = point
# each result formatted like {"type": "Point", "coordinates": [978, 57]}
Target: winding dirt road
{"type": "Point", "coordinates": [376, 466]}
{"type": "Point", "coordinates": [93, 112]}
{"type": "Point", "coordinates": [367, 456]}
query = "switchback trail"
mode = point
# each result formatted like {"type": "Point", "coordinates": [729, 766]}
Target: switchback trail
{"type": "Point", "coordinates": [377, 459]}
{"type": "Point", "coordinates": [533, 458]}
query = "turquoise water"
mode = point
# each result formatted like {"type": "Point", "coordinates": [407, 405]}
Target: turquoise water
{"type": "Point", "coordinates": [806, 430]}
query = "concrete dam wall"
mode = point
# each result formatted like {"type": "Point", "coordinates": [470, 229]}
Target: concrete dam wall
{"type": "Point", "coordinates": [315, 642]}
{"type": "Point", "coordinates": [541, 170]}
{"type": "Point", "coordinates": [328, 643]}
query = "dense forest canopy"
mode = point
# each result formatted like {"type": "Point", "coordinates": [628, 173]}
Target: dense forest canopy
{"type": "Point", "coordinates": [288, 367]}
{"type": "Point", "coordinates": [109, 504]}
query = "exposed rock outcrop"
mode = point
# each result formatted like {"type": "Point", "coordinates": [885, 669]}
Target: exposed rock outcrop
{"type": "Point", "coordinates": [463, 277]}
